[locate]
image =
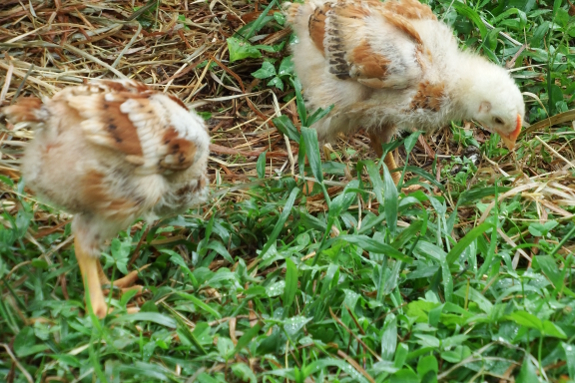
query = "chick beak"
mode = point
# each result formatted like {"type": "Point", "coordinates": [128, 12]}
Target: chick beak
{"type": "Point", "coordinates": [509, 139]}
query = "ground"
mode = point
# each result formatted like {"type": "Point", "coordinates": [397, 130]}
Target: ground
{"type": "Point", "coordinates": [467, 279]}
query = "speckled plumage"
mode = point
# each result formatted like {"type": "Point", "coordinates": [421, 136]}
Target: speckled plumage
{"type": "Point", "coordinates": [392, 65]}
{"type": "Point", "coordinates": [110, 152]}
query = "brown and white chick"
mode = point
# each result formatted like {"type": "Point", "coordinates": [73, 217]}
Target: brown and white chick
{"type": "Point", "coordinates": [110, 152]}
{"type": "Point", "coordinates": [388, 66]}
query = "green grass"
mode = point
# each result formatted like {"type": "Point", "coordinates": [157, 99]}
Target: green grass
{"type": "Point", "coordinates": [467, 280]}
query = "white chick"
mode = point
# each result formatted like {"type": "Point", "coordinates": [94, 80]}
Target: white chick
{"type": "Point", "coordinates": [393, 66]}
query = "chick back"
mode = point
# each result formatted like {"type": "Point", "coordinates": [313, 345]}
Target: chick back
{"type": "Point", "coordinates": [113, 151]}
{"type": "Point", "coordinates": [381, 64]}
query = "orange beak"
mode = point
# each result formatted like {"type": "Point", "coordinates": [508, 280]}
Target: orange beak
{"type": "Point", "coordinates": [509, 140]}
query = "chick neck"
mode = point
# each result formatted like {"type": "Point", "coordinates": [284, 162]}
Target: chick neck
{"type": "Point", "coordinates": [466, 85]}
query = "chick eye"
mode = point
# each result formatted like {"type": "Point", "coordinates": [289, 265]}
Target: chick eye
{"type": "Point", "coordinates": [498, 120]}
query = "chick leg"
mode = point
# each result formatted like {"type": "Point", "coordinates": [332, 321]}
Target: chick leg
{"type": "Point", "coordinates": [376, 141]}
{"type": "Point", "coordinates": [89, 268]}
{"type": "Point", "coordinates": [124, 283]}
{"type": "Point", "coordinates": [389, 161]}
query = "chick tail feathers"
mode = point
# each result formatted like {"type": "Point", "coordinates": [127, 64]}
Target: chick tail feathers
{"type": "Point", "coordinates": [26, 109]}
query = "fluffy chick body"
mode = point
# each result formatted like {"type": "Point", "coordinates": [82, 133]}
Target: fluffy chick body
{"type": "Point", "coordinates": [393, 65]}
{"type": "Point", "coordinates": [110, 152]}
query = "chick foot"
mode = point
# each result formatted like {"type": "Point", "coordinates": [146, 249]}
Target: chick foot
{"type": "Point", "coordinates": [125, 283]}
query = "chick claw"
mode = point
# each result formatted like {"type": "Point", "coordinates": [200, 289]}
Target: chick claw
{"type": "Point", "coordinates": [125, 283]}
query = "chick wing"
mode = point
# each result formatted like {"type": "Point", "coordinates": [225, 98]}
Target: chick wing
{"type": "Point", "coordinates": [371, 42]}
{"type": "Point", "coordinates": [115, 150]}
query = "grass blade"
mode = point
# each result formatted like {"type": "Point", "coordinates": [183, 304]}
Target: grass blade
{"type": "Point", "coordinates": [370, 244]}
{"type": "Point", "coordinates": [466, 241]}
{"type": "Point", "coordinates": [247, 337]}
{"type": "Point", "coordinates": [390, 201]}
{"type": "Point", "coordinates": [199, 304]}
{"type": "Point", "coordinates": [376, 181]}
{"type": "Point", "coordinates": [261, 165]}
{"type": "Point", "coordinates": [290, 289]}
{"type": "Point", "coordinates": [281, 221]}
{"type": "Point", "coordinates": [312, 150]}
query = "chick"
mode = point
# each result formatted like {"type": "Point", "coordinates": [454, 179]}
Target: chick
{"type": "Point", "coordinates": [110, 152]}
{"type": "Point", "coordinates": [389, 66]}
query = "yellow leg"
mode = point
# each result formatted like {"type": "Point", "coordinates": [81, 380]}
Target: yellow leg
{"type": "Point", "coordinates": [376, 141]}
{"type": "Point", "coordinates": [89, 268]}
{"type": "Point", "coordinates": [124, 283]}
{"type": "Point", "coordinates": [390, 163]}
{"type": "Point", "coordinates": [101, 275]}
